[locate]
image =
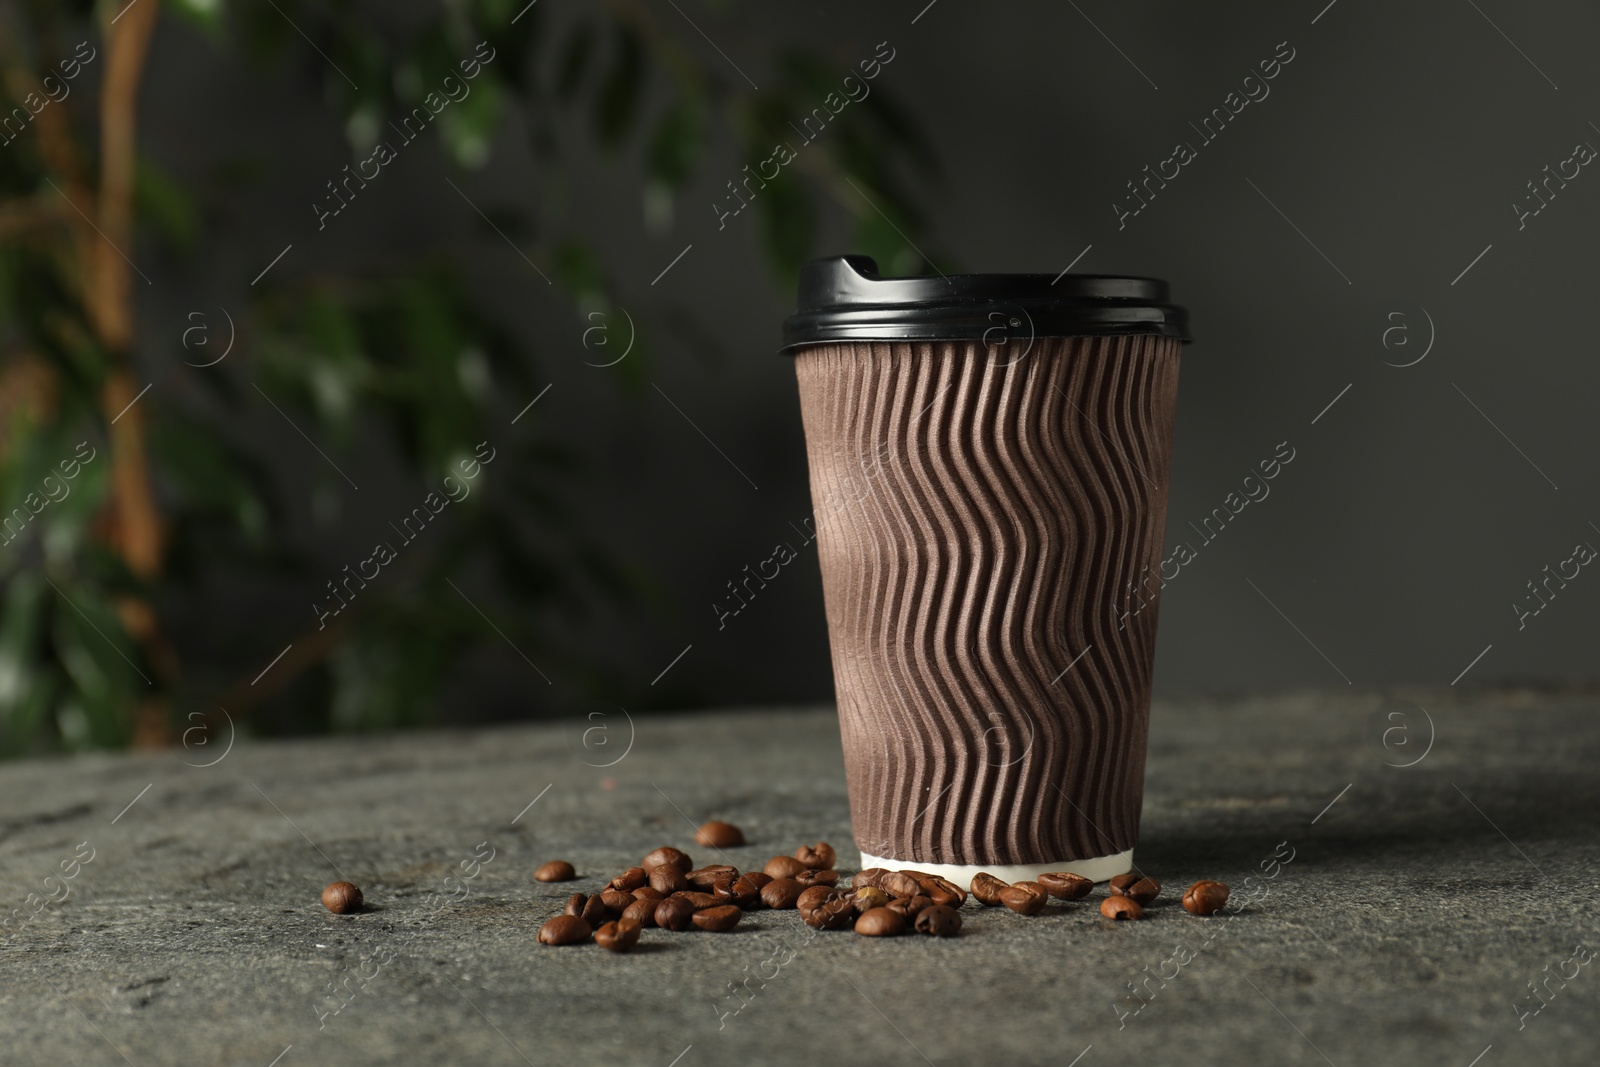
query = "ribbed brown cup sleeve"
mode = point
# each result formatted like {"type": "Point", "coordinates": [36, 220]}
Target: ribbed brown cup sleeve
{"type": "Point", "coordinates": [981, 525]}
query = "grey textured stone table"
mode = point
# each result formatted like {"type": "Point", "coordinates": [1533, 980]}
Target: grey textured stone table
{"type": "Point", "coordinates": [1407, 912]}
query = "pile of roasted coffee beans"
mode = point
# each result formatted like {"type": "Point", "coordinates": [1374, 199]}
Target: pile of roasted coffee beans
{"type": "Point", "coordinates": [668, 892]}
{"type": "Point", "coordinates": [1126, 897]}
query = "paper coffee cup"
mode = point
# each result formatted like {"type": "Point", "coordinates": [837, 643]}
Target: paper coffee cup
{"type": "Point", "coordinates": [988, 461]}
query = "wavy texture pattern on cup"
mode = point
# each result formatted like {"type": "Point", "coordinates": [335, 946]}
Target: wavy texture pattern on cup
{"type": "Point", "coordinates": [978, 527]}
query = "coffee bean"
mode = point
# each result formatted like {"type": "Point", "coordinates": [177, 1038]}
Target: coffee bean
{"type": "Point", "coordinates": [916, 874]}
{"type": "Point", "coordinates": [781, 893]}
{"type": "Point", "coordinates": [708, 876]}
{"type": "Point", "coordinates": [564, 930]}
{"type": "Point", "coordinates": [740, 891]}
{"type": "Point", "coordinates": [701, 901]}
{"type": "Point", "coordinates": [899, 884]}
{"type": "Point", "coordinates": [1144, 890]}
{"type": "Point", "coordinates": [1024, 898]}
{"type": "Point", "coordinates": [615, 900]}
{"type": "Point", "coordinates": [986, 889]}
{"type": "Point", "coordinates": [575, 903]}
{"type": "Point", "coordinates": [668, 855]}
{"type": "Point", "coordinates": [939, 921]}
{"type": "Point", "coordinates": [819, 857]}
{"type": "Point", "coordinates": [341, 898]}
{"type": "Point", "coordinates": [880, 922]}
{"type": "Point", "coordinates": [943, 891]}
{"type": "Point", "coordinates": [809, 877]}
{"type": "Point", "coordinates": [910, 907]}
{"type": "Point", "coordinates": [1205, 898]}
{"type": "Point", "coordinates": [867, 897]}
{"type": "Point", "coordinates": [717, 834]}
{"type": "Point", "coordinates": [595, 911]}
{"type": "Point", "coordinates": [1122, 881]}
{"type": "Point", "coordinates": [618, 936]}
{"type": "Point", "coordinates": [869, 876]}
{"type": "Point", "coordinates": [823, 908]}
{"type": "Point", "coordinates": [1064, 885]}
{"type": "Point", "coordinates": [554, 871]}
{"type": "Point", "coordinates": [631, 879]}
{"type": "Point", "coordinates": [718, 919]}
{"type": "Point", "coordinates": [784, 867]}
{"type": "Point", "coordinates": [666, 879]}
{"type": "Point", "coordinates": [642, 912]}
{"type": "Point", "coordinates": [648, 892]}
{"type": "Point", "coordinates": [674, 913]}
{"type": "Point", "coordinates": [759, 879]}
{"type": "Point", "coordinates": [1120, 907]}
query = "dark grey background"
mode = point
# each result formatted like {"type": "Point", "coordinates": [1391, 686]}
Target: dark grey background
{"type": "Point", "coordinates": [1396, 141]}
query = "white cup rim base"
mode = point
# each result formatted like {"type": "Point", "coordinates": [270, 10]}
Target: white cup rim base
{"type": "Point", "coordinates": [1098, 869]}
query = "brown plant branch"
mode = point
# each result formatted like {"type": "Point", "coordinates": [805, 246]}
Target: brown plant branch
{"type": "Point", "coordinates": [136, 530]}
{"type": "Point", "coordinates": [110, 284]}
{"type": "Point", "coordinates": [21, 217]}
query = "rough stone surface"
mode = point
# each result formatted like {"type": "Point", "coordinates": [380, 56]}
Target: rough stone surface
{"type": "Point", "coordinates": [1406, 927]}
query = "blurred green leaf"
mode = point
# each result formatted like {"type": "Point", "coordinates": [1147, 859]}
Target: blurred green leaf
{"type": "Point", "coordinates": [214, 477]}
{"type": "Point", "coordinates": [578, 268]}
{"type": "Point", "coordinates": [159, 199]}
{"type": "Point", "coordinates": [24, 682]}
{"type": "Point", "coordinates": [207, 14]}
{"type": "Point", "coordinates": [498, 14]}
{"type": "Point", "coordinates": [67, 522]}
{"type": "Point", "coordinates": [468, 124]}
{"type": "Point", "coordinates": [334, 363]}
{"type": "Point", "coordinates": [100, 661]}
{"type": "Point", "coordinates": [675, 146]}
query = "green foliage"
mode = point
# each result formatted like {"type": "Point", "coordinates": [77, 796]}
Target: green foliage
{"type": "Point", "coordinates": [676, 144]}
{"type": "Point", "coordinates": [160, 201]}
{"type": "Point", "coordinates": [404, 357]}
{"type": "Point", "coordinates": [207, 14]}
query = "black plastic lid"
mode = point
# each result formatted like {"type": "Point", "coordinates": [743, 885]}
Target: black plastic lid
{"type": "Point", "coordinates": [842, 299]}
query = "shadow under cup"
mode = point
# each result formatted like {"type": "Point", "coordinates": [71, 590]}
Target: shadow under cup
{"type": "Point", "coordinates": [989, 513]}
